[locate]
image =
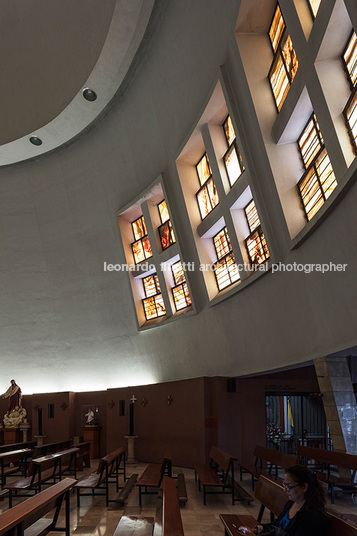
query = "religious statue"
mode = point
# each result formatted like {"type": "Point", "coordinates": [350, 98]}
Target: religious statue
{"type": "Point", "coordinates": [15, 414]}
{"type": "Point", "coordinates": [14, 395]}
{"type": "Point", "coordinates": [90, 417]}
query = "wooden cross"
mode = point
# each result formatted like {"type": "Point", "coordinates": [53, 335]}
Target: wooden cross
{"type": "Point", "coordinates": [133, 399]}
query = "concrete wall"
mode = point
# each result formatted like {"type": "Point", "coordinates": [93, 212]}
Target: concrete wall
{"type": "Point", "coordinates": [69, 326]}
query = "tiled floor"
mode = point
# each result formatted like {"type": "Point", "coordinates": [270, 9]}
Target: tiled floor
{"type": "Point", "coordinates": [94, 519]}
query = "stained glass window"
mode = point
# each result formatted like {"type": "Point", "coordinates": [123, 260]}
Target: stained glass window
{"type": "Point", "coordinates": [318, 181]}
{"type": "Point", "coordinates": [163, 211]}
{"type": "Point", "coordinates": [350, 113]}
{"type": "Point", "coordinates": [141, 248]}
{"type": "Point", "coordinates": [166, 232]}
{"type": "Point", "coordinates": [349, 58]}
{"type": "Point", "coordinates": [207, 196]}
{"type": "Point", "coordinates": [225, 269]}
{"type": "Point", "coordinates": [256, 244]}
{"type": "Point", "coordinates": [153, 302]}
{"type": "Point", "coordinates": [285, 62]}
{"type": "Point", "coordinates": [251, 214]}
{"type": "Point", "coordinates": [232, 158]}
{"type": "Point", "coordinates": [180, 291]}
{"type": "Point", "coordinates": [314, 6]}
{"type": "Point", "coordinates": [310, 141]}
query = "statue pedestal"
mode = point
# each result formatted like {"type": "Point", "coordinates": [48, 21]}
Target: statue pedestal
{"type": "Point", "coordinates": [39, 439]}
{"type": "Point", "coordinates": [91, 433]}
{"type": "Point", "coordinates": [24, 427]}
{"type": "Point", "coordinates": [131, 441]}
{"type": "Point", "coordinates": [11, 435]}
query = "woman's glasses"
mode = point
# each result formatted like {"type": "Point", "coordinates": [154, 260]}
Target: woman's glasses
{"type": "Point", "coordinates": [288, 487]}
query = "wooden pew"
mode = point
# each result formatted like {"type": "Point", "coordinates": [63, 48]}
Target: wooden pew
{"type": "Point", "coordinates": [167, 521]}
{"type": "Point", "coordinates": [13, 462]}
{"type": "Point", "coordinates": [83, 456]}
{"type": "Point", "coordinates": [16, 446]}
{"type": "Point", "coordinates": [24, 515]}
{"type": "Point", "coordinates": [219, 474]}
{"type": "Point", "coordinates": [263, 457]}
{"type": "Point", "coordinates": [272, 496]}
{"type": "Point", "coordinates": [110, 467]}
{"type": "Point", "coordinates": [329, 459]}
{"type": "Point", "coordinates": [51, 448]}
{"type": "Point", "coordinates": [150, 480]}
{"type": "Point", "coordinates": [42, 470]}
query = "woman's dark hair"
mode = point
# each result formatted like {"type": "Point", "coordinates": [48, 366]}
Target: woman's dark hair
{"type": "Point", "coordinates": [315, 496]}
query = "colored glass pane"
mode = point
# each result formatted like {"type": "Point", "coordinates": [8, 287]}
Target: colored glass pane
{"type": "Point", "coordinates": [233, 164]}
{"type": "Point", "coordinates": [178, 273]}
{"type": "Point", "coordinates": [138, 251]}
{"type": "Point", "coordinates": [351, 118]}
{"type": "Point", "coordinates": [279, 82]}
{"type": "Point", "coordinates": [212, 191]}
{"type": "Point", "coordinates": [252, 216]}
{"type": "Point", "coordinates": [226, 272]}
{"type": "Point", "coordinates": [276, 29]}
{"type": "Point", "coordinates": [325, 173]}
{"type": "Point", "coordinates": [229, 131]}
{"type": "Point", "coordinates": [257, 247]}
{"type": "Point", "coordinates": [163, 211]}
{"type": "Point", "coordinates": [139, 228]}
{"type": "Point", "coordinates": [310, 141]}
{"type": "Point", "coordinates": [151, 285]}
{"type": "Point", "coordinates": [222, 243]}
{"type": "Point", "coordinates": [181, 296]}
{"type": "Point", "coordinates": [203, 169]}
{"type": "Point", "coordinates": [290, 59]}
{"type": "Point", "coordinates": [166, 233]}
{"type": "Point", "coordinates": [350, 58]}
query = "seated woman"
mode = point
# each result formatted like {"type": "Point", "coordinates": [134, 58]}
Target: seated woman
{"type": "Point", "coordinates": [304, 513]}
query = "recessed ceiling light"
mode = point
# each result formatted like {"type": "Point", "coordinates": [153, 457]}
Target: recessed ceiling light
{"type": "Point", "coordinates": [35, 140]}
{"type": "Point", "coordinates": [89, 94]}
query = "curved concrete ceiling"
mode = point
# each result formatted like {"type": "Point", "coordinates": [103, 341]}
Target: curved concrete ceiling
{"type": "Point", "coordinates": [60, 47]}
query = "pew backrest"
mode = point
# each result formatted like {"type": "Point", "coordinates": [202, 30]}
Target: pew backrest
{"type": "Point", "coordinates": [279, 459]}
{"type": "Point", "coordinates": [221, 458]}
{"type": "Point", "coordinates": [329, 457]}
{"type": "Point", "coordinates": [340, 527]}
{"type": "Point", "coordinates": [271, 495]}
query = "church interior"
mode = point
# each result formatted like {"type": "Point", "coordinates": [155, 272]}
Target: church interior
{"type": "Point", "coordinates": [178, 238]}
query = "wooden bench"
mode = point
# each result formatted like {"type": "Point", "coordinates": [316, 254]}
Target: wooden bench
{"type": "Point", "coordinates": [124, 492]}
{"type": "Point", "coordinates": [267, 463]}
{"type": "Point", "coordinates": [83, 456]}
{"type": "Point", "coordinates": [42, 470]}
{"type": "Point", "coordinates": [219, 474]}
{"type": "Point", "coordinates": [270, 495]}
{"type": "Point", "coordinates": [328, 460]}
{"type": "Point", "coordinates": [16, 446]}
{"type": "Point", "coordinates": [28, 516]}
{"type": "Point", "coordinates": [181, 489]}
{"type": "Point", "coordinates": [50, 448]}
{"type": "Point", "coordinates": [110, 467]}
{"type": "Point", "coordinates": [13, 462]}
{"type": "Point", "coordinates": [167, 521]}
{"type": "Point", "coordinates": [150, 480]}
{"type": "Point", "coordinates": [231, 523]}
